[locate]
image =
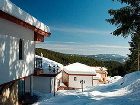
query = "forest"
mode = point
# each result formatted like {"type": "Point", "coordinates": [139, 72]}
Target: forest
{"type": "Point", "coordinates": [114, 67]}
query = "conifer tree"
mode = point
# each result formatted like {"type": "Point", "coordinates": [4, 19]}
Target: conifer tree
{"type": "Point", "coordinates": [127, 21]}
{"type": "Point", "coordinates": [132, 63]}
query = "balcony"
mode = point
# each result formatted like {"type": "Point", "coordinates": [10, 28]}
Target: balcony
{"type": "Point", "coordinates": [53, 69]}
{"type": "Point", "coordinates": [38, 66]}
{"type": "Point", "coordinates": [45, 69]}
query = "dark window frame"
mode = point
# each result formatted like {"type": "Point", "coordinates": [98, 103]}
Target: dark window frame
{"type": "Point", "coordinates": [21, 49]}
{"type": "Point", "coordinates": [75, 78]}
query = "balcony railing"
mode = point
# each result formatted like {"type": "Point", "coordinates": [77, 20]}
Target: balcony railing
{"type": "Point", "coordinates": [49, 69]}
{"type": "Point", "coordinates": [53, 69]}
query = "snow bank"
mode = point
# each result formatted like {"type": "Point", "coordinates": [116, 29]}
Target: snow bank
{"type": "Point", "coordinates": [10, 8]}
{"type": "Point", "coordinates": [114, 79]}
{"type": "Point", "coordinates": [122, 91]}
{"type": "Point", "coordinates": [130, 78]}
{"type": "Point", "coordinates": [132, 83]}
{"type": "Point", "coordinates": [135, 86]}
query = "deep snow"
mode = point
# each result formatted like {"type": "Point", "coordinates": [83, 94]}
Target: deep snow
{"type": "Point", "coordinates": [120, 91]}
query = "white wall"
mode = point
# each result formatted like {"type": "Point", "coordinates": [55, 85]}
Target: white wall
{"type": "Point", "coordinates": [58, 79]}
{"type": "Point", "coordinates": [95, 82]}
{"type": "Point", "coordinates": [11, 67]}
{"type": "Point", "coordinates": [77, 84]}
{"type": "Point", "coordinates": [40, 84]}
{"type": "Point", "coordinates": [43, 84]}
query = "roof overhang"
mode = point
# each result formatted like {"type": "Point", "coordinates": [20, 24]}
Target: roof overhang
{"type": "Point", "coordinates": [80, 74]}
{"type": "Point", "coordinates": [24, 24]}
{"type": "Point", "coordinates": [83, 74]}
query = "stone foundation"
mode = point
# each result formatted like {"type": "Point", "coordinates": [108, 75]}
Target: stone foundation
{"type": "Point", "coordinates": [9, 94]}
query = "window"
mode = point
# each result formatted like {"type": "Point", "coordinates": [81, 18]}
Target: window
{"type": "Point", "coordinates": [75, 79]}
{"type": "Point", "coordinates": [38, 63]}
{"type": "Point", "coordinates": [21, 46]}
{"type": "Point", "coordinates": [21, 88]}
{"type": "Point", "coordinates": [58, 83]}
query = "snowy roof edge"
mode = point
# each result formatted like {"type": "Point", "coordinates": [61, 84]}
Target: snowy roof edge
{"type": "Point", "coordinates": [87, 69]}
{"type": "Point", "coordinates": [13, 10]}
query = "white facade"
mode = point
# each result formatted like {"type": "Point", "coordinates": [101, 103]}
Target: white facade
{"type": "Point", "coordinates": [43, 84]}
{"type": "Point", "coordinates": [17, 55]}
{"type": "Point", "coordinates": [46, 83]}
{"type": "Point", "coordinates": [78, 75]}
{"type": "Point", "coordinates": [40, 84]}
{"type": "Point", "coordinates": [49, 81]}
{"type": "Point", "coordinates": [87, 81]}
{"type": "Point", "coordinates": [11, 67]}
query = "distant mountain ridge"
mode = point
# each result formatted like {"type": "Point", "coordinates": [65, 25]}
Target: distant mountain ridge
{"type": "Point", "coordinates": [108, 57]}
{"type": "Point", "coordinates": [114, 67]}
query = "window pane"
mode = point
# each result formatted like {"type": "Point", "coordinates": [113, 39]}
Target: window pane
{"type": "Point", "coordinates": [75, 79]}
{"type": "Point", "coordinates": [21, 49]}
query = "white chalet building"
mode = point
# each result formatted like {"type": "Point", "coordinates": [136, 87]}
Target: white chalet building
{"type": "Point", "coordinates": [48, 76]}
{"type": "Point", "coordinates": [77, 75]}
{"type": "Point", "coordinates": [18, 33]}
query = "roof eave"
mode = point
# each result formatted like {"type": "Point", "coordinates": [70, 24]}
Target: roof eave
{"type": "Point", "coordinates": [22, 23]}
{"type": "Point", "coordinates": [41, 32]}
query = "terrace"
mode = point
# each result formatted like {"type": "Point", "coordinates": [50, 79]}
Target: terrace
{"type": "Point", "coordinates": [50, 71]}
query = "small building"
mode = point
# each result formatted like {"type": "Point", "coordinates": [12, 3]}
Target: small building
{"type": "Point", "coordinates": [101, 74]}
{"type": "Point", "coordinates": [77, 76]}
{"type": "Point", "coordinates": [18, 33]}
{"type": "Point", "coordinates": [47, 76]}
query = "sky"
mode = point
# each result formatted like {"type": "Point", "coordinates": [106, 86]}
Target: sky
{"type": "Point", "coordinates": [77, 26]}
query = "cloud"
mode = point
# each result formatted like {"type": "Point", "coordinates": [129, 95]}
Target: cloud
{"type": "Point", "coordinates": [112, 46]}
{"type": "Point", "coordinates": [46, 42]}
{"type": "Point", "coordinates": [85, 49]}
{"type": "Point", "coordinates": [81, 30]}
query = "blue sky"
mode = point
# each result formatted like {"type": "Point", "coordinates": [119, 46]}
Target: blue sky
{"type": "Point", "coordinates": [77, 26]}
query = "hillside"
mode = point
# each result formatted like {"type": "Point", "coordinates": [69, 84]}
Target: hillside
{"type": "Point", "coordinates": [114, 68]}
{"type": "Point", "coordinates": [66, 59]}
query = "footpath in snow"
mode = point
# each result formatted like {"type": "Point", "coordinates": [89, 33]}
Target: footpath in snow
{"type": "Point", "coordinates": [121, 91]}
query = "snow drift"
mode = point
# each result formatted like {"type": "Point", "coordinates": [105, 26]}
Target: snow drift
{"type": "Point", "coordinates": [122, 91]}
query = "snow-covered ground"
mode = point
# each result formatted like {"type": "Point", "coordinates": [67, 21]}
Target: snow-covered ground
{"type": "Point", "coordinates": [120, 91]}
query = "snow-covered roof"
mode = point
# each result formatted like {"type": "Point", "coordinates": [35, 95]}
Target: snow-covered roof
{"type": "Point", "coordinates": [78, 68]}
{"type": "Point", "coordinates": [47, 62]}
{"type": "Point", "coordinates": [13, 10]}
